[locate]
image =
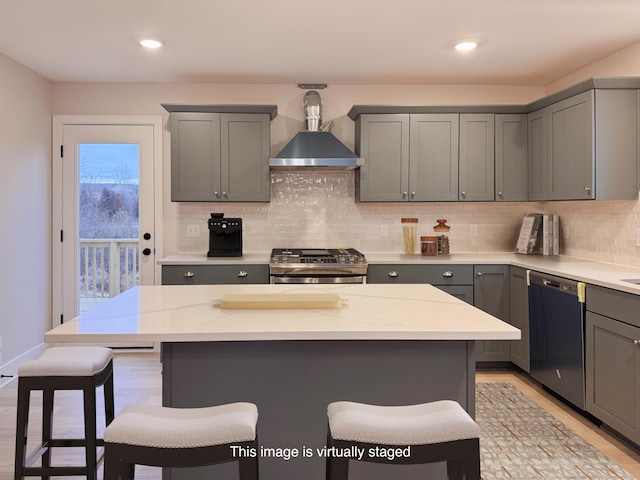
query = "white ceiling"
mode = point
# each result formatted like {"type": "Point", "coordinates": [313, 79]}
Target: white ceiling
{"type": "Point", "coordinates": [524, 42]}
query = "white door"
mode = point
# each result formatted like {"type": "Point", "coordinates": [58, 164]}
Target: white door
{"type": "Point", "coordinates": [105, 172]}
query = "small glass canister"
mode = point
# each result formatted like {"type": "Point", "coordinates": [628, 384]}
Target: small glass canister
{"type": "Point", "coordinates": [429, 245]}
{"type": "Point", "coordinates": [442, 230]}
{"type": "Point", "coordinates": [409, 231]}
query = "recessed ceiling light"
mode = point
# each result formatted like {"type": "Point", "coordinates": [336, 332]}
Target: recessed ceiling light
{"type": "Point", "coordinates": [150, 43]}
{"type": "Point", "coordinates": [466, 45]}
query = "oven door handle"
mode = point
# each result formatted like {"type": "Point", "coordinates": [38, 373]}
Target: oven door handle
{"type": "Point", "coordinates": [319, 280]}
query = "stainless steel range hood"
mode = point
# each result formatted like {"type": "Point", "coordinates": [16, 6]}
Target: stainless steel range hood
{"type": "Point", "coordinates": [315, 148]}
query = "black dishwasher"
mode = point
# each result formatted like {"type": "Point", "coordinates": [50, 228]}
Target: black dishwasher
{"type": "Point", "coordinates": [556, 324]}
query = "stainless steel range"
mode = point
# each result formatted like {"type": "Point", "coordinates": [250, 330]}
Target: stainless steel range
{"type": "Point", "coordinates": [317, 265]}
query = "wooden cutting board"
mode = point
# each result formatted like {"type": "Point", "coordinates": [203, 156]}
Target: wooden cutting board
{"type": "Point", "coordinates": [280, 300]}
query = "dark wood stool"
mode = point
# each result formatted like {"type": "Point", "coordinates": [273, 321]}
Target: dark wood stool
{"type": "Point", "coordinates": [181, 437]}
{"type": "Point", "coordinates": [63, 368]}
{"type": "Point", "coordinates": [414, 434]}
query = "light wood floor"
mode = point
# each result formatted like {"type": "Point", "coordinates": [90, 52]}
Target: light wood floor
{"type": "Point", "coordinates": [137, 380]}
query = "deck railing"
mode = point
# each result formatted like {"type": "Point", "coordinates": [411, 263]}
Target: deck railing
{"type": "Point", "coordinates": [108, 267]}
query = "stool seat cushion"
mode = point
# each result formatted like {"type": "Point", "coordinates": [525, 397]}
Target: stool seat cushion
{"type": "Point", "coordinates": [421, 424]}
{"type": "Point", "coordinates": [167, 427]}
{"type": "Point", "coordinates": [67, 362]}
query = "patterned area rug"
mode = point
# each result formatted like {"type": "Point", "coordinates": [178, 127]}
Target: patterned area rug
{"type": "Point", "coordinates": [520, 440]}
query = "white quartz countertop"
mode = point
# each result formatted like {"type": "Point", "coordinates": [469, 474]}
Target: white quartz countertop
{"type": "Point", "coordinates": [596, 273]}
{"type": "Point", "coordinates": [369, 312]}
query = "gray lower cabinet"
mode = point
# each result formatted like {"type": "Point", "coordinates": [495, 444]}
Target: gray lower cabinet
{"type": "Point", "coordinates": [584, 147]}
{"type": "Point", "coordinates": [512, 176]}
{"type": "Point", "coordinates": [491, 294]}
{"type": "Point", "coordinates": [612, 337]}
{"type": "Point", "coordinates": [519, 317]}
{"type": "Point", "coordinates": [215, 274]}
{"type": "Point", "coordinates": [220, 157]}
{"type": "Point", "coordinates": [477, 158]}
{"type": "Point", "coordinates": [437, 275]}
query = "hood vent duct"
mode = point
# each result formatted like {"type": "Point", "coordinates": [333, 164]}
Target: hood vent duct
{"type": "Point", "coordinates": [316, 147]}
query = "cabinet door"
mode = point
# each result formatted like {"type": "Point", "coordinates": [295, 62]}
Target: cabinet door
{"type": "Point", "coordinates": [617, 133]}
{"type": "Point", "coordinates": [512, 176]}
{"type": "Point", "coordinates": [519, 317]}
{"type": "Point", "coordinates": [383, 142]}
{"type": "Point", "coordinates": [491, 294]}
{"type": "Point", "coordinates": [612, 374]}
{"type": "Point", "coordinates": [433, 158]}
{"type": "Point", "coordinates": [477, 159]}
{"type": "Point", "coordinates": [571, 159]}
{"type": "Point", "coordinates": [537, 134]}
{"type": "Point", "coordinates": [245, 149]}
{"type": "Point", "coordinates": [195, 157]}
{"type": "Point", "coordinates": [463, 292]}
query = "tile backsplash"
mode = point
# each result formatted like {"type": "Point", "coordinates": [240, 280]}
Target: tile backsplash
{"type": "Point", "coordinates": [318, 209]}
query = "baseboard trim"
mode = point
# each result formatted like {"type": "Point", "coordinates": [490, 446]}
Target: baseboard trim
{"type": "Point", "coordinates": [9, 370]}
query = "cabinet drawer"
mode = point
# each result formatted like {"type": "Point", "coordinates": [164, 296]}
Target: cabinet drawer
{"type": "Point", "coordinates": [214, 274]}
{"type": "Point", "coordinates": [434, 274]}
{"type": "Point", "coordinates": [614, 304]}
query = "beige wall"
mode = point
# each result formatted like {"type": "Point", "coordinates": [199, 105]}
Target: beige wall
{"type": "Point", "coordinates": [25, 216]}
{"type": "Point", "coordinates": [623, 63]}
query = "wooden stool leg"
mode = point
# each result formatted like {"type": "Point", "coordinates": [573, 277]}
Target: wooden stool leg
{"type": "Point", "coordinates": [47, 419]}
{"type": "Point", "coordinates": [90, 432]}
{"type": "Point", "coordinates": [472, 460]}
{"type": "Point", "coordinates": [109, 409]}
{"type": "Point", "coordinates": [22, 424]}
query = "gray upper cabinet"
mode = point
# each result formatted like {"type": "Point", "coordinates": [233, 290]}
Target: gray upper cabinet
{"type": "Point", "coordinates": [537, 135]}
{"type": "Point", "coordinates": [407, 157]}
{"type": "Point", "coordinates": [512, 175]}
{"type": "Point", "coordinates": [433, 157]}
{"type": "Point", "coordinates": [584, 147]}
{"type": "Point", "coordinates": [383, 142]}
{"type": "Point", "coordinates": [476, 163]}
{"type": "Point", "coordinates": [219, 157]}
{"type": "Point", "coordinates": [570, 147]}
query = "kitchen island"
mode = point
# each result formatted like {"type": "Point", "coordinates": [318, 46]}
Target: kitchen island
{"type": "Point", "coordinates": [387, 344]}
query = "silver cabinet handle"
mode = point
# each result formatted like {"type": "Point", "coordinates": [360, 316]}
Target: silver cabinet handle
{"type": "Point", "coordinates": [636, 342]}
{"type": "Point", "coordinates": [393, 274]}
{"type": "Point", "coordinates": [479, 274]}
{"type": "Point", "coordinates": [413, 194]}
{"type": "Point", "coordinates": [242, 273]}
{"type": "Point", "coordinates": [447, 273]}
{"type": "Point", "coordinates": [500, 194]}
{"type": "Point", "coordinates": [404, 194]}
{"type": "Point", "coordinates": [463, 194]}
{"type": "Point", "coordinates": [225, 194]}
{"type": "Point", "coordinates": [217, 194]}
{"type": "Point", "coordinates": [189, 274]}
{"type": "Point", "coordinates": [587, 190]}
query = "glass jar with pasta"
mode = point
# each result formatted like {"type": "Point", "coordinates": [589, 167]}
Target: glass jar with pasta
{"type": "Point", "coordinates": [409, 232]}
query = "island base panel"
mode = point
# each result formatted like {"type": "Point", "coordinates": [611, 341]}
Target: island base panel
{"type": "Point", "coordinates": [292, 382]}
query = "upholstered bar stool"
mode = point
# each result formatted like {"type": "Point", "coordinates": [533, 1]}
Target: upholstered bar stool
{"type": "Point", "coordinates": [414, 434]}
{"type": "Point", "coordinates": [182, 437]}
{"type": "Point", "coordinates": [63, 368]}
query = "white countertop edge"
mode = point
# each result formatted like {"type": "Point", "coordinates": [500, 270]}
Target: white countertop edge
{"type": "Point", "coordinates": [283, 336]}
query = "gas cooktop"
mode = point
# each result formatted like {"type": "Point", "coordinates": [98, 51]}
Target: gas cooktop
{"type": "Point", "coordinates": [317, 256]}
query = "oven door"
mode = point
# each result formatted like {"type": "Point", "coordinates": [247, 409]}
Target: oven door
{"type": "Point", "coordinates": [317, 279]}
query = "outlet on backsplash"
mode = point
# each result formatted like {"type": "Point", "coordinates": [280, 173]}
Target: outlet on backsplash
{"type": "Point", "coordinates": [193, 231]}
{"type": "Point", "coordinates": [384, 231]}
